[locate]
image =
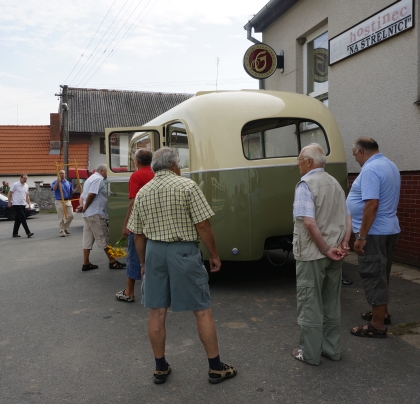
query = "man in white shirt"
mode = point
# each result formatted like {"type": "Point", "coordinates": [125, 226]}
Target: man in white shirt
{"type": "Point", "coordinates": [95, 213]}
{"type": "Point", "coordinates": [18, 198]}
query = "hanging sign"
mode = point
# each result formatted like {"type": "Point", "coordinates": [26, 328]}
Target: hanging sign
{"type": "Point", "coordinates": [260, 61]}
{"type": "Point", "coordinates": [379, 27]}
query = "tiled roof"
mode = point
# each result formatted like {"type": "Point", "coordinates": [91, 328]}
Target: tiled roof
{"type": "Point", "coordinates": [26, 149]}
{"type": "Point", "coordinates": [93, 110]}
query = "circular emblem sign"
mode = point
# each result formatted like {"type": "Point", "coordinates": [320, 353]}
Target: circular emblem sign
{"type": "Point", "coordinates": [260, 61]}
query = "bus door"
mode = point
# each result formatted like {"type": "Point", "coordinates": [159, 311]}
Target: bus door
{"type": "Point", "coordinates": [121, 146]}
{"type": "Point", "coordinates": [176, 138]}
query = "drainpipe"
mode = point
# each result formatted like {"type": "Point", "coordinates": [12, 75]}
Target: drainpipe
{"type": "Point", "coordinates": [252, 39]}
{"type": "Point", "coordinates": [249, 33]}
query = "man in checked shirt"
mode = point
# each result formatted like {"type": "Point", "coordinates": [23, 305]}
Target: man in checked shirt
{"type": "Point", "coordinates": [173, 215]}
{"type": "Point", "coordinates": [322, 228]}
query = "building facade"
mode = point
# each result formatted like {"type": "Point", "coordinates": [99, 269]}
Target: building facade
{"type": "Point", "coordinates": [362, 59]}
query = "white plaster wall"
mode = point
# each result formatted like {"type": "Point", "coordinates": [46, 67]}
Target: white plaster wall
{"type": "Point", "coordinates": [371, 93]}
{"type": "Point", "coordinates": [95, 158]}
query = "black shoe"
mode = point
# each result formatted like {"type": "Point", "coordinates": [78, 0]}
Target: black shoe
{"type": "Point", "coordinates": [30, 235]}
{"type": "Point", "coordinates": [346, 281]}
{"type": "Point", "coordinates": [16, 235]}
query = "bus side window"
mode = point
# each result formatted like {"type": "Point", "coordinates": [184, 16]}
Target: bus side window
{"type": "Point", "coordinates": [178, 140]}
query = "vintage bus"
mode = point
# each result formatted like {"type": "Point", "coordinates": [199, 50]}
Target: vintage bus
{"type": "Point", "coordinates": [240, 147]}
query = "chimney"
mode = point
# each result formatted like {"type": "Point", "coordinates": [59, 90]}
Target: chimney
{"type": "Point", "coordinates": [55, 133]}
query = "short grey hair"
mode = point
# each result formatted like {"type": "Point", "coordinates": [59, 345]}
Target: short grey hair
{"type": "Point", "coordinates": [164, 159]}
{"type": "Point", "coordinates": [101, 167]}
{"type": "Point", "coordinates": [316, 153]}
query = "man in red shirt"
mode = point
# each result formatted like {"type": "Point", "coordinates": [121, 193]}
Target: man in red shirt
{"type": "Point", "coordinates": [137, 180]}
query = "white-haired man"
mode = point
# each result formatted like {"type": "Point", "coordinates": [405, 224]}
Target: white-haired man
{"type": "Point", "coordinates": [322, 228]}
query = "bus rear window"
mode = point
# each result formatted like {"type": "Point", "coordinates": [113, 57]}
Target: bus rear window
{"type": "Point", "coordinates": [273, 138]}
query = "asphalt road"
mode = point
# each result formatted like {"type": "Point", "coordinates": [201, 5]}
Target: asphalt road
{"type": "Point", "coordinates": [64, 338]}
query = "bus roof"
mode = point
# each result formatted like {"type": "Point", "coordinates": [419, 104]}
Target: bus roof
{"type": "Point", "coordinates": [214, 121]}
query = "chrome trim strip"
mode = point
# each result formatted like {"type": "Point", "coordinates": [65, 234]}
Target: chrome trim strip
{"type": "Point", "coordinates": [255, 167]}
{"type": "Point", "coordinates": [111, 180]}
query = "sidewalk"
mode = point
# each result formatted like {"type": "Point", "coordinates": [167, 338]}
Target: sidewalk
{"type": "Point", "coordinates": [408, 273]}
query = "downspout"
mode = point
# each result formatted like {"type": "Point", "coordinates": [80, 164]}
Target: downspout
{"type": "Point", "coordinates": [249, 33]}
{"type": "Point", "coordinates": [256, 41]}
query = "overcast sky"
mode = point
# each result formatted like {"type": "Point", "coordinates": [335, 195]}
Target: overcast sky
{"type": "Point", "coordinates": [140, 45]}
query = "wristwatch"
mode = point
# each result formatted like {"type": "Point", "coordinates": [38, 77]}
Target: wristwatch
{"type": "Point", "coordinates": [359, 237]}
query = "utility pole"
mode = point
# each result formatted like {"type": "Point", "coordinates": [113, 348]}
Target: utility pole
{"type": "Point", "coordinates": [64, 106]}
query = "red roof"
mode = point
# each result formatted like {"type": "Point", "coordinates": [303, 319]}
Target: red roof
{"type": "Point", "coordinates": [27, 149]}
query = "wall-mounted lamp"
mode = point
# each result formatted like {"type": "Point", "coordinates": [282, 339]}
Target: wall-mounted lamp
{"type": "Point", "coordinates": [301, 40]}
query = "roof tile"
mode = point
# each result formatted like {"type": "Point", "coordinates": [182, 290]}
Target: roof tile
{"type": "Point", "coordinates": [26, 149]}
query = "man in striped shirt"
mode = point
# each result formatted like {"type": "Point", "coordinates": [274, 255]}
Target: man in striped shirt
{"type": "Point", "coordinates": [173, 215]}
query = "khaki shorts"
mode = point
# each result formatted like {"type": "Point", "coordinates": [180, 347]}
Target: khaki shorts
{"type": "Point", "coordinates": [95, 229]}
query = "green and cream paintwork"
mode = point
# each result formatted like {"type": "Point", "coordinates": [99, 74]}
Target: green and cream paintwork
{"type": "Point", "coordinates": [252, 199]}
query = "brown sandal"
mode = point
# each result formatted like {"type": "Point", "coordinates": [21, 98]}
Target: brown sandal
{"type": "Point", "coordinates": [159, 376]}
{"type": "Point", "coordinates": [369, 332]}
{"type": "Point", "coordinates": [368, 317]}
{"type": "Point", "coordinates": [117, 265]}
{"type": "Point", "coordinates": [227, 372]}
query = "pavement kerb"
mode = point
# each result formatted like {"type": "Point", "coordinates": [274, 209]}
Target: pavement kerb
{"type": "Point", "coordinates": [402, 271]}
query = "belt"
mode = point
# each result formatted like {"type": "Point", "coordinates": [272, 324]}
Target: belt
{"type": "Point", "coordinates": [66, 199]}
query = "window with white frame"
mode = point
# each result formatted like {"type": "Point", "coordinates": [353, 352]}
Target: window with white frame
{"type": "Point", "coordinates": [315, 59]}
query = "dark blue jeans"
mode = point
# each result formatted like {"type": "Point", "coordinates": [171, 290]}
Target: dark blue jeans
{"type": "Point", "coordinates": [20, 218]}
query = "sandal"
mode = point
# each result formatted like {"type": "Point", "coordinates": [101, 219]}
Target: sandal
{"type": "Point", "coordinates": [89, 267]}
{"type": "Point", "coordinates": [160, 376]}
{"type": "Point", "coordinates": [227, 372]}
{"type": "Point", "coordinates": [117, 265]}
{"type": "Point", "coordinates": [368, 317]}
{"type": "Point", "coordinates": [369, 332]}
{"type": "Point", "coordinates": [125, 298]}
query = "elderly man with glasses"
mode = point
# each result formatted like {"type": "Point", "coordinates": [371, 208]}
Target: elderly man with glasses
{"type": "Point", "coordinates": [322, 228]}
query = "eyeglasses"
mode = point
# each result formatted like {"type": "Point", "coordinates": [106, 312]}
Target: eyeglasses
{"type": "Point", "coordinates": [301, 158]}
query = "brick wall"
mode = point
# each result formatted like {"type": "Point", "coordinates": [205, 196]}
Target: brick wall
{"type": "Point", "coordinates": [408, 247]}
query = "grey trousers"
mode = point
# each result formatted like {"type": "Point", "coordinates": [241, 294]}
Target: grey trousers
{"type": "Point", "coordinates": [319, 308]}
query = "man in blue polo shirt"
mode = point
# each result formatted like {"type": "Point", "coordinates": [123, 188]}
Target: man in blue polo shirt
{"type": "Point", "coordinates": [373, 202]}
{"type": "Point", "coordinates": [67, 189]}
